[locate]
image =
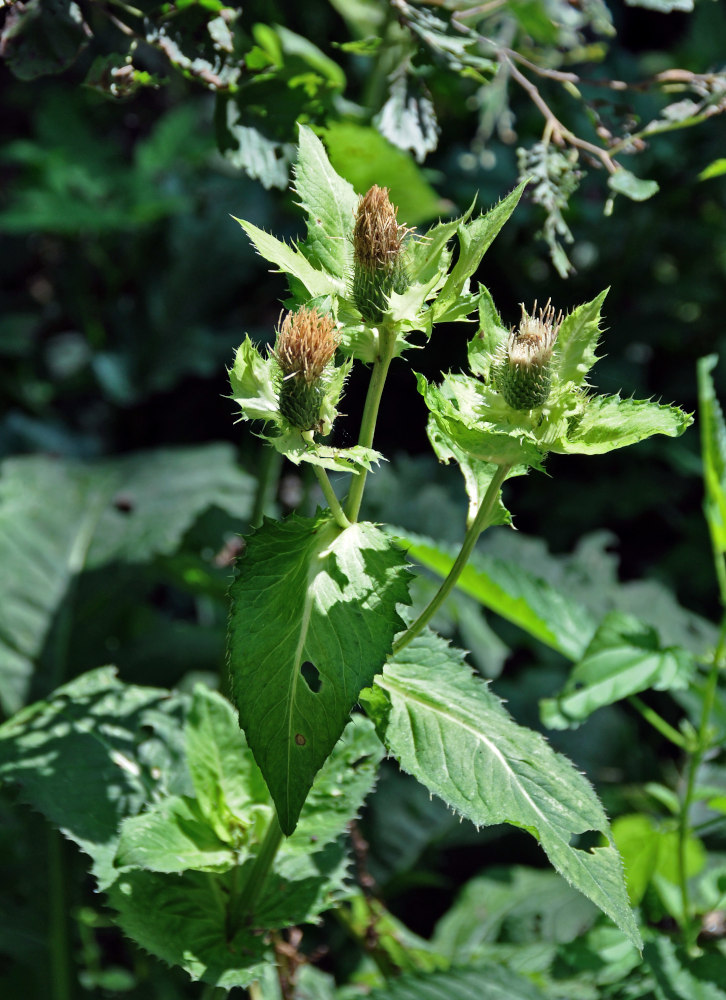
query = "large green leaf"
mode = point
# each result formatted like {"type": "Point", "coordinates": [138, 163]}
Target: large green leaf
{"type": "Point", "coordinates": [446, 728]}
{"type": "Point", "coordinates": [330, 204]}
{"type": "Point", "coordinates": [516, 594]}
{"type": "Point", "coordinates": [88, 756]}
{"type": "Point", "coordinates": [58, 518]}
{"type": "Point", "coordinates": [624, 657]}
{"type": "Point", "coordinates": [312, 621]}
{"type": "Point", "coordinates": [491, 982]}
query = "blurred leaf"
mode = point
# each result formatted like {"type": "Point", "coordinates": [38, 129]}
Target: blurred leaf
{"type": "Point", "coordinates": [624, 658]}
{"type": "Point", "coordinates": [81, 758]}
{"type": "Point", "coordinates": [42, 36]}
{"type": "Point", "coordinates": [511, 591]}
{"type": "Point", "coordinates": [487, 983]}
{"type": "Point", "coordinates": [678, 976]}
{"type": "Point", "coordinates": [364, 157]}
{"type": "Point", "coordinates": [59, 518]}
{"type": "Point", "coordinates": [446, 728]}
{"type": "Point", "coordinates": [663, 7]}
{"type": "Point", "coordinates": [715, 169]}
{"type": "Point", "coordinates": [408, 118]}
{"type": "Point", "coordinates": [623, 182]}
{"type": "Point", "coordinates": [713, 449]}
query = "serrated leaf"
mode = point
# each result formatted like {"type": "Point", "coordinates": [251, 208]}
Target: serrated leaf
{"type": "Point", "coordinates": [173, 836]}
{"type": "Point", "coordinates": [511, 591]}
{"type": "Point", "coordinates": [713, 451]}
{"type": "Point", "coordinates": [577, 341]}
{"type": "Point", "coordinates": [80, 759]}
{"type": "Point", "coordinates": [609, 422]}
{"type": "Point", "coordinates": [330, 203]}
{"type": "Point", "coordinates": [225, 777]}
{"type": "Point", "coordinates": [252, 379]}
{"type": "Point", "coordinates": [446, 728]}
{"type": "Point", "coordinates": [625, 183]}
{"type": "Point", "coordinates": [475, 238]}
{"type": "Point", "coordinates": [297, 450]}
{"type": "Point", "coordinates": [408, 118]}
{"type": "Point", "coordinates": [484, 345]}
{"type": "Point", "coordinates": [623, 658]}
{"type": "Point", "coordinates": [58, 518]}
{"type": "Point", "coordinates": [313, 618]}
{"type": "Point", "coordinates": [291, 261]}
{"type": "Point", "coordinates": [495, 443]}
{"type": "Point", "coordinates": [491, 982]}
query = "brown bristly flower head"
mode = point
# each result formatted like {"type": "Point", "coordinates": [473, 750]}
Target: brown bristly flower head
{"type": "Point", "coordinates": [523, 375]}
{"type": "Point", "coordinates": [378, 266]}
{"type": "Point", "coordinates": [306, 343]}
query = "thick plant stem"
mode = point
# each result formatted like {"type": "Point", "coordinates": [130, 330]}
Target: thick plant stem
{"type": "Point", "coordinates": [249, 891]}
{"type": "Point", "coordinates": [269, 467]}
{"type": "Point", "coordinates": [470, 540]}
{"type": "Point", "coordinates": [329, 494]}
{"type": "Point", "coordinates": [387, 344]}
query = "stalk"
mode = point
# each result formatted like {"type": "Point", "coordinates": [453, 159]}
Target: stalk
{"type": "Point", "coordinates": [246, 898]}
{"type": "Point", "coordinates": [270, 463]}
{"type": "Point", "coordinates": [663, 727]}
{"type": "Point", "coordinates": [59, 944]}
{"type": "Point", "coordinates": [387, 343]}
{"type": "Point", "coordinates": [329, 494]}
{"type": "Point", "coordinates": [470, 540]}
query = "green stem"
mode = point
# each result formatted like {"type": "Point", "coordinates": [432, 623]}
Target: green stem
{"type": "Point", "coordinates": [59, 944]}
{"type": "Point", "coordinates": [243, 905]}
{"type": "Point", "coordinates": [270, 463]}
{"type": "Point", "coordinates": [387, 345]}
{"type": "Point", "coordinates": [690, 927]}
{"type": "Point", "coordinates": [329, 494]}
{"type": "Point", "coordinates": [663, 727]}
{"type": "Point", "coordinates": [470, 540]}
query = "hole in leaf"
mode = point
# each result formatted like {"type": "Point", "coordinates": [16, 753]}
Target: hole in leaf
{"type": "Point", "coordinates": [311, 675]}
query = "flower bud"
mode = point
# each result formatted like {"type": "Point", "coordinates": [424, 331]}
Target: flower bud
{"type": "Point", "coordinates": [305, 345]}
{"type": "Point", "coordinates": [524, 375]}
{"type": "Point", "coordinates": [378, 265]}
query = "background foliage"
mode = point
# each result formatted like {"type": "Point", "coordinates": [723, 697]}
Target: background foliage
{"type": "Point", "coordinates": [132, 134]}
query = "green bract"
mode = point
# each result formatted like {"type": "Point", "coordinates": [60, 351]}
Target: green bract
{"type": "Point", "coordinates": [492, 423]}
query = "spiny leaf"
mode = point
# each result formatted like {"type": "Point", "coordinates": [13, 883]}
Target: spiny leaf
{"type": "Point", "coordinates": [446, 728]}
{"type": "Point", "coordinates": [329, 202]}
{"type": "Point", "coordinates": [313, 618]}
{"type": "Point", "coordinates": [290, 260]}
{"type": "Point", "coordinates": [577, 341]}
{"type": "Point", "coordinates": [609, 422]}
{"type": "Point", "coordinates": [713, 450]}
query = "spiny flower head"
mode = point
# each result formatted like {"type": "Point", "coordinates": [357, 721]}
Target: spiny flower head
{"type": "Point", "coordinates": [306, 343]}
{"type": "Point", "coordinates": [378, 266]}
{"type": "Point", "coordinates": [524, 375]}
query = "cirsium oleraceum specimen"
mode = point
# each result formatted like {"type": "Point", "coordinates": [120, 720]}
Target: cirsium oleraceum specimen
{"type": "Point", "coordinates": [523, 374]}
{"type": "Point", "coordinates": [305, 345]}
{"type": "Point", "coordinates": [379, 267]}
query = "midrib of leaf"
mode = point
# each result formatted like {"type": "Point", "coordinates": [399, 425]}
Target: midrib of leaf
{"type": "Point", "coordinates": [295, 676]}
{"type": "Point", "coordinates": [453, 716]}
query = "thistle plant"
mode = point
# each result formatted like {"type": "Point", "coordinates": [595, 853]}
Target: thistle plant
{"type": "Point", "coordinates": [239, 829]}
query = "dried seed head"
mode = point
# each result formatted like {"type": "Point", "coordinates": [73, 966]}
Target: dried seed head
{"type": "Point", "coordinates": [378, 266]}
{"type": "Point", "coordinates": [306, 343]}
{"type": "Point", "coordinates": [524, 376]}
